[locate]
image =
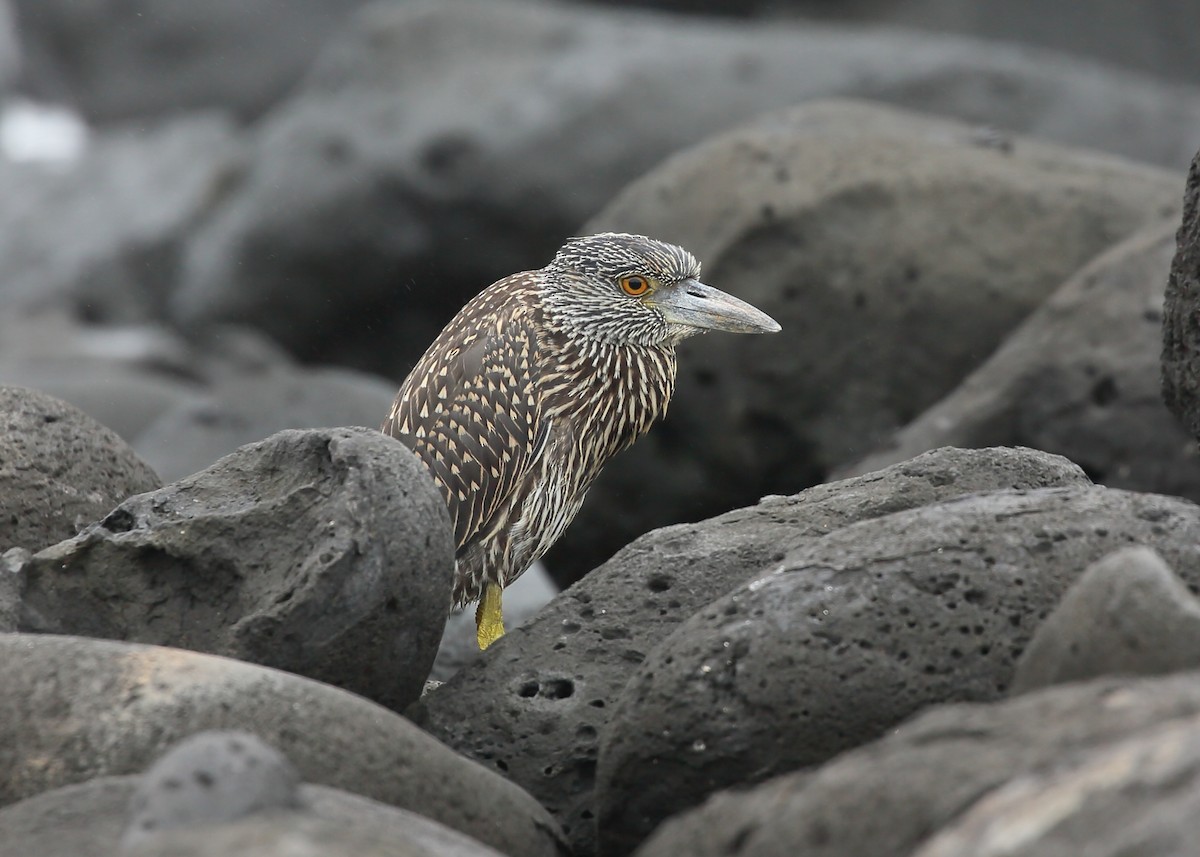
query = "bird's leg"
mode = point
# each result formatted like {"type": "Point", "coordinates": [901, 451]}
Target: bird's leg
{"type": "Point", "coordinates": [489, 616]}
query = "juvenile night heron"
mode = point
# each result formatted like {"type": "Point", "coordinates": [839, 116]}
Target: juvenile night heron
{"type": "Point", "coordinates": [541, 379]}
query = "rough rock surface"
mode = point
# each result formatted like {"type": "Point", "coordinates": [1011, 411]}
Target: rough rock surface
{"type": "Point", "coordinates": [1128, 613]}
{"type": "Point", "coordinates": [113, 708]}
{"type": "Point", "coordinates": [105, 231]}
{"type": "Point", "coordinates": [437, 146]}
{"type": "Point", "coordinates": [124, 59]}
{"type": "Point", "coordinates": [59, 470]}
{"type": "Point", "coordinates": [1181, 314]}
{"type": "Point", "coordinates": [327, 553]}
{"type": "Point", "coordinates": [86, 820]}
{"type": "Point", "coordinates": [897, 251]}
{"type": "Point", "coordinates": [853, 633]}
{"type": "Point", "coordinates": [303, 836]}
{"type": "Point", "coordinates": [182, 403]}
{"type": "Point", "coordinates": [534, 706]}
{"type": "Point", "coordinates": [1080, 377]}
{"type": "Point", "coordinates": [1138, 796]}
{"type": "Point", "coordinates": [209, 779]}
{"type": "Point", "coordinates": [948, 763]}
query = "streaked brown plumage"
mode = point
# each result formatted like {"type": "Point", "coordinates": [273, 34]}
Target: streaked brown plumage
{"type": "Point", "coordinates": [539, 380]}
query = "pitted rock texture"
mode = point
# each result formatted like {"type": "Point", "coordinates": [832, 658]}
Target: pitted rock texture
{"type": "Point", "coordinates": [209, 779]}
{"type": "Point", "coordinates": [862, 230]}
{"type": "Point", "coordinates": [1127, 614]}
{"type": "Point", "coordinates": [945, 767]}
{"type": "Point", "coordinates": [1080, 377]}
{"type": "Point", "coordinates": [59, 470]}
{"type": "Point", "coordinates": [853, 633]}
{"type": "Point", "coordinates": [326, 553]}
{"type": "Point", "coordinates": [1181, 313]}
{"type": "Point", "coordinates": [113, 708]}
{"type": "Point", "coordinates": [443, 145]}
{"type": "Point", "coordinates": [534, 706]}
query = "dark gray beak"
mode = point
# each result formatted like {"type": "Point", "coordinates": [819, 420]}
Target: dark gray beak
{"type": "Point", "coordinates": [694, 304]}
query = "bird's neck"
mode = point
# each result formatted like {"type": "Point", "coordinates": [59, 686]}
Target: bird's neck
{"type": "Point", "coordinates": [608, 392]}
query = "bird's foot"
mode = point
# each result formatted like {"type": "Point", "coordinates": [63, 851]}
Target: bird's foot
{"type": "Point", "coordinates": [489, 616]}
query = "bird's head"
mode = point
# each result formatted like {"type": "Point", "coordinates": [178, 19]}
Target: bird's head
{"type": "Point", "coordinates": [630, 289]}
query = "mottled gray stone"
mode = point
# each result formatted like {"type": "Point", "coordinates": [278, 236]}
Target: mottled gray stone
{"type": "Point", "coordinates": [59, 470]}
{"type": "Point", "coordinates": [1127, 614]}
{"type": "Point", "coordinates": [437, 146]}
{"type": "Point", "coordinates": [1107, 768]}
{"type": "Point", "coordinates": [103, 233]}
{"type": "Point", "coordinates": [1181, 314]}
{"type": "Point", "coordinates": [86, 820]}
{"type": "Point", "coordinates": [896, 250]}
{"type": "Point", "coordinates": [129, 59]}
{"type": "Point", "coordinates": [534, 706]}
{"type": "Point", "coordinates": [113, 708]}
{"type": "Point", "coordinates": [851, 634]}
{"type": "Point", "coordinates": [1080, 377]}
{"type": "Point", "coordinates": [209, 779]}
{"type": "Point", "coordinates": [325, 552]}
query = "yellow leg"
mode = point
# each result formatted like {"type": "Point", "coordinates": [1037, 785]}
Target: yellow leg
{"type": "Point", "coordinates": [489, 616]}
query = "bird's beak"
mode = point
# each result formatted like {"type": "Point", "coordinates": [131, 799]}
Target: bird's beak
{"type": "Point", "coordinates": [691, 303]}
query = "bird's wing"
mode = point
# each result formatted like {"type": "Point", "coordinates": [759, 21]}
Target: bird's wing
{"type": "Point", "coordinates": [470, 410]}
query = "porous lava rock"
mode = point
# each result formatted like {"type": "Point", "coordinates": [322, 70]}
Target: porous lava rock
{"type": "Point", "coordinates": [113, 708]}
{"type": "Point", "coordinates": [851, 634]}
{"type": "Point", "coordinates": [1108, 767]}
{"type": "Point", "coordinates": [1127, 614]}
{"type": "Point", "coordinates": [896, 250]}
{"type": "Point", "coordinates": [324, 552]}
{"type": "Point", "coordinates": [535, 704]}
{"type": "Point", "coordinates": [1181, 313]}
{"type": "Point", "coordinates": [1080, 377]}
{"type": "Point", "coordinates": [59, 470]}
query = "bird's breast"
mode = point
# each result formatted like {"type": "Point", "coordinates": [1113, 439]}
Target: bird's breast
{"type": "Point", "coordinates": [607, 396]}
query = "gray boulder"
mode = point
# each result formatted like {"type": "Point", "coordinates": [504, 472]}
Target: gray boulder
{"type": "Point", "coordinates": [1138, 796]}
{"type": "Point", "coordinates": [1153, 36]}
{"type": "Point", "coordinates": [897, 251]}
{"type": "Point", "coordinates": [237, 410]}
{"type": "Point", "coordinates": [1181, 314]}
{"type": "Point", "coordinates": [327, 553]}
{"type": "Point", "coordinates": [437, 146]}
{"type": "Point", "coordinates": [535, 705]}
{"type": "Point", "coordinates": [851, 634]}
{"type": "Point", "coordinates": [182, 403]}
{"type": "Point", "coordinates": [209, 779]}
{"type": "Point", "coordinates": [1080, 377]}
{"type": "Point", "coordinates": [116, 59]}
{"type": "Point", "coordinates": [59, 470]}
{"type": "Point", "coordinates": [86, 820]}
{"type": "Point", "coordinates": [1128, 613]}
{"type": "Point", "coordinates": [1106, 768]}
{"type": "Point", "coordinates": [113, 708]}
{"type": "Point", "coordinates": [103, 233]}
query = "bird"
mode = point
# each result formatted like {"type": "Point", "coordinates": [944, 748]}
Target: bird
{"type": "Point", "coordinates": [537, 382]}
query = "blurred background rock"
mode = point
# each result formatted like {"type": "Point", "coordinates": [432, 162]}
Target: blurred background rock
{"type": "Point", "coordinates": [223, 219]}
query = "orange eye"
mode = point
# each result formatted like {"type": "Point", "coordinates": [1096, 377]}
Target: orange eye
{"type": "Point", "coordinates": [635, 285]}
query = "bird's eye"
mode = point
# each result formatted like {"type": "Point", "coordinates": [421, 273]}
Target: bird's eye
{"type": "Point", "coordinates": [635, 285]}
